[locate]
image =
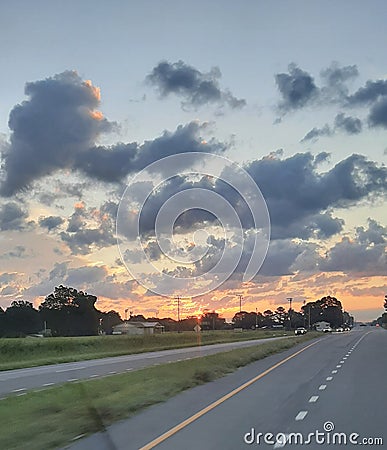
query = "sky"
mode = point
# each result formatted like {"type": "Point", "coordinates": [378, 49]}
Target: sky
{"type": "Point", "coordinates": [288, 96]}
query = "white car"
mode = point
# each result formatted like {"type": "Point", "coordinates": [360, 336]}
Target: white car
{"type": "Point", "coordinates": [299, 330]}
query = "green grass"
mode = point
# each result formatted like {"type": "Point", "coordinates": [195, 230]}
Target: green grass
{"type": "Point", "coordinates": [52, 418]}
{"type": "Point", "coordinates": [29, 352]}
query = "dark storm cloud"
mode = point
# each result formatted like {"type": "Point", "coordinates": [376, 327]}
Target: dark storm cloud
{"type": "Point", "coordinates": [368, 94]}
{"type": "Point", "coordinates": [351, 125]}
{"type": "Point", "coordinates": [378, 113]}
{"type": "Point", "coordinates": [299, 197]}
{"type": "Point", "coordinates": [296, 87]}
{"type": "Point", "coordinates": [295, 192]}
{"type": "Point", "coordinates": [48, 131]}
{"type": "Point", "coordinates": [299, 90]}
{"type": "Point", "coordinates": [112, 164]}
{"type": "Point", "coordinates": [50, 222]}
{"type": "Point", "coordinates": [197, 88]}
{"type": "Point", "coordinates": [12, 217]}
{"type": "Point", "coordinates": [57, 128]}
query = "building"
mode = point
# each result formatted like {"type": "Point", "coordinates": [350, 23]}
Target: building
{"type": "Point", "coordinates": [138, 328]}
{"type": "Point", "coordinates": [322, 326]}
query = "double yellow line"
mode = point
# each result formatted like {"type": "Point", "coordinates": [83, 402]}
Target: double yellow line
{"type": "Point", "coordinates": [218, 402]}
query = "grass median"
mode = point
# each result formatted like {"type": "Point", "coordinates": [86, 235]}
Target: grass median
{"type": "Point", "coordinates": [30, 352]}
{"type": "Point", "coordinates": [51, 418]}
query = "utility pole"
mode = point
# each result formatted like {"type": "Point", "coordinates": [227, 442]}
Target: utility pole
{"type": "Point", "coordinates": [178, 312]}
{"type": "Point", "coordinates": [256, 318]}
{"type": "Point", "coordinates": [240, 302]}
{"type": "Point", "coordinates": [290, 299]}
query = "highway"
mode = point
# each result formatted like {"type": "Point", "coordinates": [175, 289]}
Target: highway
{"type": "Point", "coordinates": [325, 391]}
{"type": "Point", "coordinates": [19, 381]}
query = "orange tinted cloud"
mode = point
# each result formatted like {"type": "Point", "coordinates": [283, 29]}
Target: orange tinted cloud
{"type": "Point", "coordinates": [95, 90]}
{"type": "Point", "coordinates": [80, 205]}
{"type": "Point", "coordinates": [97, 115]}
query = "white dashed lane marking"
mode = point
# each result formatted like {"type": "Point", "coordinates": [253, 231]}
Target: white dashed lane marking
{"type": "Point", "coordinates": [334, 371]}
{"type": "Point", "coordinates": [301, 415]}
{"type": "Point", "coordinates": [313, 399]}
{"type": "Point", "coordinates": [322, 387]}
{"type": "Point", "coordinates": [329, 378]}
{"type": "Point", "coordinates": [69, 370]}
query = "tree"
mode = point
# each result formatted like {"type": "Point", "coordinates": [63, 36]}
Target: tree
{"type": "Point", "coordinates": [327, 308]}
{"type": "Point", "coordinates": [212, 321]}
{"type": "Point", "coordinates": [189, 323]}
{"type": "Point", "coordinates": [21, 318]}
{"type": "Point", "coordinates": [268, 318]}
{"type": "Point", "coordinates": [247, 320]}
{"type": "Point", "coordinates": [69, 312]}
{"type": "Point", "coordinates": [280, 316]}
{"type": "Point", "coordinates": [108, 320]}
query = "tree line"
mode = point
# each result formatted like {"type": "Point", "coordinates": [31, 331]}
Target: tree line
{"type": "Point", "coordinates": [69, 312]}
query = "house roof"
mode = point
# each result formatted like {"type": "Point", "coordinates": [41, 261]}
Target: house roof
{"type": "Point", "coordinates": [127, 325]}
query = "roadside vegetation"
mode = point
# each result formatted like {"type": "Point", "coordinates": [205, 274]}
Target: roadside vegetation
{"type": "Point", "coordinates": [52, 418]}
{"type": "Point", "coordinates": [29, 352]}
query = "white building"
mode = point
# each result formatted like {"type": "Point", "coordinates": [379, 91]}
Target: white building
{"type": "Point", "coordinates": [141, 328]}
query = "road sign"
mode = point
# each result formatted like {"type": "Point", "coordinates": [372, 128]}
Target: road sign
{"type": "Point", "coordinates": [197, 328]}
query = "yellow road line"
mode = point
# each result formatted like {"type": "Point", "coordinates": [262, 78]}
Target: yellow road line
{"type": "Point", "coordinates": [218, 402]}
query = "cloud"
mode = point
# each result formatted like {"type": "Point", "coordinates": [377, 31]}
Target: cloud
{"type": "Point", "coordinates": [112, 164]}
{"type": "Point", "coordinates": [315, 133]}
{"type": "Point", "coordinates": [12, 217]}
{"type": "Point", "coordinates": [300, 198]}
{"type": "Point", "coordinates": [89, 228]}
{"type": "Point", "coordinates": [296, 87]}
{"type": "Point", "coordinates": [57, 122]}
{"type": "Point", "coordinates": [378, 113]}
{"type": "Point", "coordinates": [195, 87]}
{"type": "Point", "coordinates": [50, 222]}
{"type": "Point", "coordinates": [365, 254]}
{"type": "Point", "coordinates": [85, 276]}
{"type": "Point", "coordinates": [18, 252]}
{"type": "Point", "coordinates": [351, 125]}
{"type": "Point", "coordinates": [348, 124]}
{"type": "Point", "coordinates": [334, 80]}
{"type": "Point", "coordinates": [58, 127]}
{"type": "Point", "coordinates": [6, 277]}
{"type": "Point", "coordinates": [368, 94]}
{"type": "Point", "coordinates": [295, 192]}
{"type": "Point", "coordinates": [92, 279]}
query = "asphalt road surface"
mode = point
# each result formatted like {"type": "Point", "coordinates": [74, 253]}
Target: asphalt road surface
{"type": "Point", "coordinates": [19, 381]}
{"type": "Point", "coordinates": [326, 392]}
